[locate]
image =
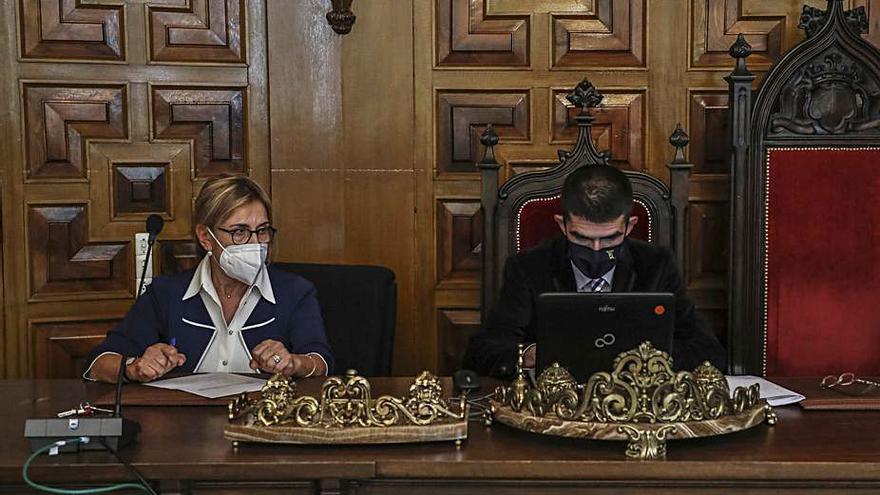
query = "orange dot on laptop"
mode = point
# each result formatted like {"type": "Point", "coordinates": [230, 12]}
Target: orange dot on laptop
{"type": "Point", "coordinates": [659, 310]}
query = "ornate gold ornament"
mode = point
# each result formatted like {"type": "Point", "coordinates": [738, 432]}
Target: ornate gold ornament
{"type": "Point", "coordinates": [346, 412]}
{"type": "Point", "coordinates": [642, 400]}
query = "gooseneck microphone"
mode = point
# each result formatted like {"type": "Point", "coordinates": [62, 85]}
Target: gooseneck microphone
{"type": "Point", "coordinates": [154, 226]}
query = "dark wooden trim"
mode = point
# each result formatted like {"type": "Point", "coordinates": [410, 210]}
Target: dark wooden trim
{"type": "Point", "coordinates": [679, 176]}
{"type": "Point", "coordinates": [488, 167]}
{"type": "Point", "coordinates": [740, 112]}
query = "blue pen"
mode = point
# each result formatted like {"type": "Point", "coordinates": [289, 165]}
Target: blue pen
{"type": "Point", "coordinates": [173, 342]}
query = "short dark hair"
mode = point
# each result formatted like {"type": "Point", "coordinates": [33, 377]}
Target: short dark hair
{"type": "Point", "coordinates": [598, 193]}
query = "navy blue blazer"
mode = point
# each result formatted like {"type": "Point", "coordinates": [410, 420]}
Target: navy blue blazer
{"type": "Point", "coordinates": [161, 314]}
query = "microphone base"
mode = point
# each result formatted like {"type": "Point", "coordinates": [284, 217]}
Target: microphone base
{"type": "Point", "coordinates": [116, 432]}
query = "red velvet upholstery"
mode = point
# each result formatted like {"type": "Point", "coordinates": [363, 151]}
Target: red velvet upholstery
{"type": "Point", "coordinates": [534, 222]}
{"type": "Point", "coordinates": [823, 262]}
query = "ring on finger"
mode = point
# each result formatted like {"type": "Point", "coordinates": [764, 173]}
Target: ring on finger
{"type": "Point", "coordinates": [276, 358]}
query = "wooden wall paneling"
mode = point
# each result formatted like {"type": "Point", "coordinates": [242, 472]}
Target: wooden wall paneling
{"type": "Point", "coordinates": [65, 264]}
{"type": "Point", "coordinates": [622, 112]}
{"type": "Point", "coordinates": [715, 24]}
{"type": "Point", "coordinates": [306, 129]}
{"type": "Point", "coordinates": [60, 347]}
{"type": "Point", "coordinates": [342, 155]}
{"type": "Point", "coordinates": [463, 115]}
{"type": "Point", "coordinates": [423, 139]}
{"type": "Point", "coordinates": [467, 36]}
{"type": "Point", "coordinates": [459, 238]}
{"type": "Point", "coordinates": [153, 169]}
{"type": "Point", "coordinates": [60, 117]}
{"type": "Point", "coordinates": [454, 329]}
{"type": "Point", "coordinates": [770, 28]}
{"type": "Point", "coordinates": [11, 344]}
{"type": "Point", "coordinates": [177, 256]}
{"type": "Point", "coordinates": [202, 31]}
{"type": "Point", "coordinates": [611, 34]}
{"type": "Point", "coordinates": [707, 259]}
{"type": "Point", "coordinates": [379, 231]}
{"type": "Point", "coordinates": [710, 136]}
{"type": "Point", "coordinates": [379, 179]}
{"type": "Point", "coordinates": [215, 118]}
{"type": "Point", "coordinates": [872, 8]}
{"type": "Point", "coordinates": [520, 166]}
{"type": "Point", "coordinates": [67, 30]}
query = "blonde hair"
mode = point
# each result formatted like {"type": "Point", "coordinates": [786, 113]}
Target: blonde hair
{"type": "Point", "coordinates": [221, 195]}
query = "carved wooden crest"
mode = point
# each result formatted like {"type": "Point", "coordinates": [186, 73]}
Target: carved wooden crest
{"type": "Point", "coordinates": [834, 95]}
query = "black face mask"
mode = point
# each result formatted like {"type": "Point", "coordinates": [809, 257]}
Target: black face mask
{"type": "Point", "coordinates": [594, 263]}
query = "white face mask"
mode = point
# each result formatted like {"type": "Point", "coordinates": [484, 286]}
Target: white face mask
{"type": "Point", "coordinates": [242, 262]}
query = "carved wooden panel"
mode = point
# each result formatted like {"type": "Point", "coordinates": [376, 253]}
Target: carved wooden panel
{"type": "Point", "coordinates": [468, 36]}
{"type": "Point", "coordinates": [707, 259]}
{"type": "Point", "coordinates": [612, 34]}
{"type": "Point", "coordinates": [715, 24]}
{"type": "Point", "coordinates": [197, 31]}
{"type": "Point", "coordinates": [462, 117]}
{"type": "Point", "coordinates": [459, 237]}
{"type": "Point", "coordinates": [708, 252]}
{"type": "Point", "coordinates": [58, 120]}
{"type": "Point", "coordinates": [61, 347]}
{"type": "Point", "coordinates": [710, 137]}
{"type": "Point", "coordinates": [67, 29]}
{"type": "Point", "coordinates": [619, 126]}
{"type": "Point", "coordinates": [214, 118]}
{"type": "Point", "coordinates": [177, 256]}
{"type": "Point", "coordinates": [516, 166]}
{"type": "Point", "coordinates": [64, 263]}
{"type": "Point", "coordinates": [140, 188]}
{"type": "Point", "coordinates": [128, 181]}
{"type": "Point", "coordinates": [872, 9]}
{"type": "Point", "coordinates": [454, 328]}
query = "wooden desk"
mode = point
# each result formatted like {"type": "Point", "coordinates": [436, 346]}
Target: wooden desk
{"type": "Point", "coordinates": [183, 446]}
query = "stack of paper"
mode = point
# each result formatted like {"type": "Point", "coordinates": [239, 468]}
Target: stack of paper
{"type": "Point", "coordinates": [773, 393]}
{"type": "Point", "coordinates": [212, 385]}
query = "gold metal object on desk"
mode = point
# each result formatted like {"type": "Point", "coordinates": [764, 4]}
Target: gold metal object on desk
{"type": "Point", "coordinates": [346, 413]}
{"type": "Point", "coordinates": [642, 400]}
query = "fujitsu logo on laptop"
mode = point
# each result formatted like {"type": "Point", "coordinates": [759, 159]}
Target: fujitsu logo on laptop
{"type": "Point", "coordinates": [606, 308]}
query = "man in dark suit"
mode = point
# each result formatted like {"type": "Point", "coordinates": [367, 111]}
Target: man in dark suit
{"type": "Point", "coordinates": [594, 254]}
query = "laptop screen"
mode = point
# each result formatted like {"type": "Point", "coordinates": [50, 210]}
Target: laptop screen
{"type": "Point", "coordinates": [584, 332]}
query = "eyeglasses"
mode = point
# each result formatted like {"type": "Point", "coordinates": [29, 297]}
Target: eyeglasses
{"type": "Point", "coordinates": [243, 236]}
{"type": "Point", "coordinates": [846, 383]}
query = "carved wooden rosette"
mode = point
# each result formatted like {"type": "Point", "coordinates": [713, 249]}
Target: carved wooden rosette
{"type": "Point", "coordinates": [346, 413]}
{"type": "Point", "coordinates": [642, 401]}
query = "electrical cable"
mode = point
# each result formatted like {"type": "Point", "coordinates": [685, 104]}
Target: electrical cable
{"type": "Point", "coordinates": [131, 469]}
{"type": "Point", "coordinates": [82, 491]}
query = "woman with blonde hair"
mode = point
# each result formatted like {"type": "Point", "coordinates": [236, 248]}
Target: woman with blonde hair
{"type": "Point", "coordinates": [232, 313]}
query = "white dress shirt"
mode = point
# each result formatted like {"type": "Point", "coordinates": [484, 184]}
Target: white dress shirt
{"type": "Point", "coordinates": [227, 350]}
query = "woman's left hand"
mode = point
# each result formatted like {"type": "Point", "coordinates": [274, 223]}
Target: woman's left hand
{"type": "Point", "coordinates": [272, 357]}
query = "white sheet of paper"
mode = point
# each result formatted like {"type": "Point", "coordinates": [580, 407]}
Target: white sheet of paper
{"type": "Point", "coordinates": [776, 395]}
{"type": "Point", "coordinates": [211, 385]}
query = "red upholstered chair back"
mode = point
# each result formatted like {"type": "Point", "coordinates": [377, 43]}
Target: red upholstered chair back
{"type": "Point", "coordinates": [805, 244]}
{"type": "Point", "coordinates": [535, 224]}
{"type": "Point", "coordinates": [519, 214]}
{"type": "Point", "coordinates": [822, 261]}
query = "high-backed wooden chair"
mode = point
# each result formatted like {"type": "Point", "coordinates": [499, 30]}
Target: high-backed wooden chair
{"type": "Point", "coordinates": [519, 215]}
{"type": "Point", "coordinates": [805, 196]}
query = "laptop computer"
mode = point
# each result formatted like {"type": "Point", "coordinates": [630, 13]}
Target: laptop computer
{"type": "Point", "coordinates": [585, 331]}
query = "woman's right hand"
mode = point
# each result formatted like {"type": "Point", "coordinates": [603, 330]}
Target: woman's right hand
{"type": "Point", "coordinates": [155, 362]}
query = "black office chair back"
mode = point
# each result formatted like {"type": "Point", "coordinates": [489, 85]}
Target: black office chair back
{"type": "Point", "coordinates": [359, 307]}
